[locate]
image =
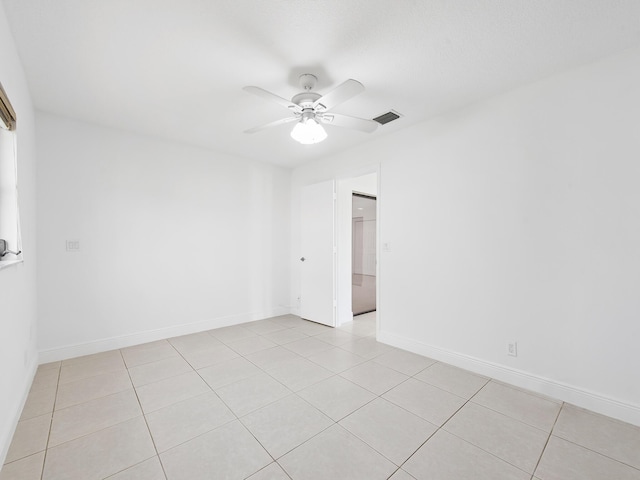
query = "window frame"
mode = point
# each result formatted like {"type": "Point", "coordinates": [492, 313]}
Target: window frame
{"type": "Point", "coordinates": [8, 121]}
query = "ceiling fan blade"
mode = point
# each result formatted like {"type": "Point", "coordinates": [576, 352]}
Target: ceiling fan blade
{"type": "Point", "coordinates": [354, 123]}
{"type": "Point", "coordinates": [282, 121]}
{"type": "Point", "coordinates": [260, 92]}
{"type": "Point", "coordinates": [341, 93]}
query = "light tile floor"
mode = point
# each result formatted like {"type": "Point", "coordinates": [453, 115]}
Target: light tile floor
{"type": "Point", "coordinates": [284, 398]}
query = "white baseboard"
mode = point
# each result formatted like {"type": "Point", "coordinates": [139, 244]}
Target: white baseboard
{"type": "Point", "coordinates": [7, 436]}
{"type": "Point", "coordinates": [568, 393]}
{"type": "Point", "coordinates": [128, 340]}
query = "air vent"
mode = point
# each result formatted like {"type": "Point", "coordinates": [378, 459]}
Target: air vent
{"type": "Point", "coordinates": [387, 117]}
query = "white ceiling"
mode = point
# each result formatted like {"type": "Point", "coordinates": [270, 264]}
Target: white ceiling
{"type": "Point", "coordinates": [175, 68]}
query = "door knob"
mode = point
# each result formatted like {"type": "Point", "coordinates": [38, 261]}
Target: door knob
{"type": "Point", "coordinates": [302, 259]}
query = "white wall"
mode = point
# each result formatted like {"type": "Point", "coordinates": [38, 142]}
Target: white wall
{"type": "Point", "coordinates": [173, 239]}
{"type": "Point", "coordinates": [18, 355]}
{"type": "Point", "coordinates": [367, 184]}
{"type": "Point", "coordinates": [516, 219]}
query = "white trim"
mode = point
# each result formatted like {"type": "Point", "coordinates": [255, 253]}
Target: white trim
{"type": "Point", "coordinates": [122, 341]}
{"type": "Point", "coordinates": [28, 381]}
{"type": "Point", "coordinates": [345, 302]}
{"type": "Point", "coordinates": [568, 393]}
{"type": "Point", "coordinates": [378, 248]}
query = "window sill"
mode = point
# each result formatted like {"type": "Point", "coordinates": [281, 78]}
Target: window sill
{"type": "Point", "coordinates": [8, 263]}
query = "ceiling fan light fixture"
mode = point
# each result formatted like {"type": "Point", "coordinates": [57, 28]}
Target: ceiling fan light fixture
{"type": "Point", "coordinates": [308, 131]}
{"type": "Point", "coordinates": [310, 110]}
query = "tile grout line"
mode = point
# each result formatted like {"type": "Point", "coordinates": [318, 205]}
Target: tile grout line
{"type": "Point", "coordinates": [292, 449]}
{"type": "Point", "coordinates": [470, 443]}
{"type": "Point", "coordinates": [267, 466]}
{"type": "Point", "coordinates": [598, 453]}
{"type": "Point", "coordinates": [501, 413]}
{"type": "Point", "coordinates": [379, 452]}
{"type": "Point", "coordinates": [506, 415]}
{"type": "Point", "coordinates": [271, 403]}
{"type": "Point", "coordinates": [239, 419]}
{"type": "Point", "coordinates": [405, 381]}
{"type": "Point", "coordinates": [441, 427]}
{"type": "Point", "coordinates": [225, 404]}
{"type": "Point", "coordinates": [274, 378]}
{"type": "Point", "coordinates": [89, 433]}
{"type": "Point", "coordinates": [337, 422]}
{"type": "Point", "coordinates": [487, 452]}
{"type": "Point", "coordinates": [53, 411]}
{"type": "Point", "coordinates": [146, 363]}
{"type": "Point", "coordinates": [555, 421]}
{"type": "Point", "coordinates": [145, 421]}
{"type": "Point", "coordinates": [135, 391]}
{"type": "Point", "coordinates": [294, 393]}
{"type": "Point", "coordinates": [379, 396]}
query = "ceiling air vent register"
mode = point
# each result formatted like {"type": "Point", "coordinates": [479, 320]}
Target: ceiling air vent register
{"type": "Point", "coordinates": [387, 117]}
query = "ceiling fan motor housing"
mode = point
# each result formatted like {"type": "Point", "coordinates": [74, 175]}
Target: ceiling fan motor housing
{"type": "Point", "coordinates": [305, 99]}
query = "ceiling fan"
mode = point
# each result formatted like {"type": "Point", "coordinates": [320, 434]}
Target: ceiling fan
{"type": "Point", "coordinates": [310, 109]}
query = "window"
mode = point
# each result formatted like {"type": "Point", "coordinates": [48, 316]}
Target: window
{"type": "Point", "coordinates": [11, 244]}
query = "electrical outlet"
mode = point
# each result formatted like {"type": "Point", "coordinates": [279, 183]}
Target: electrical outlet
{"type": "Point", "coordinates": [512, 349]}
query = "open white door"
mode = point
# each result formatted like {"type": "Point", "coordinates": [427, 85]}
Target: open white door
{"type": "Point", "coordinates": [317, 264]}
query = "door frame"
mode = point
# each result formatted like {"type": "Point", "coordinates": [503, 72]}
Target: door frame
{"type": "Point", "coordinates": [353, 224]}
{"type": "Point", "coordinates": [344, 242]}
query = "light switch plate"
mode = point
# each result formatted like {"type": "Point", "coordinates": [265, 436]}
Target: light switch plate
{"type": "Point", "coordinates": [73, 245]}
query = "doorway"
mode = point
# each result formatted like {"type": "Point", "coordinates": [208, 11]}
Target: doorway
{"type": "Point", "coordinates": [338, 286]}
{"type": "Point", "coordinates": [363, 254]}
